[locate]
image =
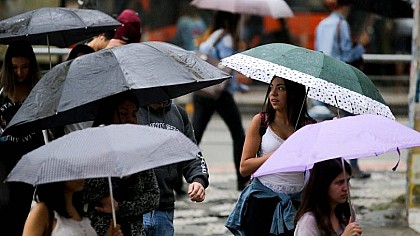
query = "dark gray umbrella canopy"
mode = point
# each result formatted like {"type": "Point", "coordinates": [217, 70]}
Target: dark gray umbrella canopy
{"type": "Point", "coordinates": [61, 26]}
{"type": "Point", "coordinates": [388, 8]}
{"type": "Point", "coordinates": [71, 91]}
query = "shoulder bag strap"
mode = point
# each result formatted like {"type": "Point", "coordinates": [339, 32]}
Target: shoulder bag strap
{"type": "Point", "coordinates": [221, 35]}
{"type": "Point", "coordinates": [339, 37]}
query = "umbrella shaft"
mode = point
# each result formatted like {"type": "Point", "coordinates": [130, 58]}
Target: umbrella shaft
{"type": "Point", "coordinates": [111, 195]}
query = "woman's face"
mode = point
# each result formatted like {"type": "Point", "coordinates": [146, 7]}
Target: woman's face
{"type": "Point", "coordinates": [21, 68]}
{"type": "Point", "coordinates": [278, 94]}
{"type": "Point", "coordinates": [338, 190]}
{"type": "Point", "coordinates": [126, 113]}
{"type": "Point", "coordinates": [74, 185]}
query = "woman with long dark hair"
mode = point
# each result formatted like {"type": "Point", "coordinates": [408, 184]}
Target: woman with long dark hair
{"type": "Point", "coordinates": [325, 209]}
{"type": "Point", "coordinates": [271, 200]}
{"type": "Point", "coordinates": [18, 75]}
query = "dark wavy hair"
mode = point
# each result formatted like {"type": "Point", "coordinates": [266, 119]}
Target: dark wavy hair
{"type": "Point", "coordinates": [52, 194]}
{"type": "Point", "coordinates": [19, 48]}
{"type": "Point", "coordinates": [297, 110]}
{"type": "Point", "coordinates": [315, 197]}
{"type": "Point", "coordinates": [223, 20]}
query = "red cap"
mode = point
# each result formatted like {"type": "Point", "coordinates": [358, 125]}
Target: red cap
{"type": "Point", "coordinates": [130, 31]}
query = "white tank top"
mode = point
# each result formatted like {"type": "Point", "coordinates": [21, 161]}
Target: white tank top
{"type": "Point", "coordinates": [286, 182]}
{"type": "Point", "coordinates": [71, 227]}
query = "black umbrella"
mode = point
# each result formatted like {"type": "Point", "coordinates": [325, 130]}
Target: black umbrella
{"type": "Point", "coordinates": [58, 26]}
{"type": "Point", "coordinates": [388, 8]}
{"type": "Point", "coordinates": [70, 92]}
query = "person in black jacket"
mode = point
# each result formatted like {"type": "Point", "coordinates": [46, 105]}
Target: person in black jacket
{"type": "Point", "coordinates": [168, 115]}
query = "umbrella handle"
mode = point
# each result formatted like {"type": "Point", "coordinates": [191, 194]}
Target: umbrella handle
{"type": "Point", "coordinates": [111, 195]}
{"type": "Point", "coordinates": [49, 52]}
{"type": "Point", "coordinates": [45, 135]}
{"type": "Point", "coordinates": [352, 211]}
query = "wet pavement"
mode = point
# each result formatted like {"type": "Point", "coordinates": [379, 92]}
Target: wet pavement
{"type": "Point", "coordinates": [379, 201]}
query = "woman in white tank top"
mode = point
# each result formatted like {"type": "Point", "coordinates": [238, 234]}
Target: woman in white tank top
{"type": "Point", "coordinates": [285, 108]}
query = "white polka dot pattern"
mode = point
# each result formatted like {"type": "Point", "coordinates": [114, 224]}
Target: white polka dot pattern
{"type": "Point", "coordinates": [319, 89]}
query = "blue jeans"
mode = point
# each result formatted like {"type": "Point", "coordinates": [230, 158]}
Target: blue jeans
{"type": "Point", "coordinates": [159, 223]}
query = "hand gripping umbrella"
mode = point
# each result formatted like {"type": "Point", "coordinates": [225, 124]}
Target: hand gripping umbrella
{"type": "Point", "coordinates": [328, 80]}
{"type": "Point", "coordinates": [71, 91]}
{"type": "Point", "coordinates": [106, 151]}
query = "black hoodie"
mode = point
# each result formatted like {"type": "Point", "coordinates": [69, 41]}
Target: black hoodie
{"type": "Point", "coordinates": [173, 117]}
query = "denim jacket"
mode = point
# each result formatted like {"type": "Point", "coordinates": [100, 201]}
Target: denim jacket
{"type": "Point", "coordinates": [284, 213]}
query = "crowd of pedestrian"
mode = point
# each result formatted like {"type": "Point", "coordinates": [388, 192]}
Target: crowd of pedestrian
{"type": "Point", "coordinates": [314, 202]}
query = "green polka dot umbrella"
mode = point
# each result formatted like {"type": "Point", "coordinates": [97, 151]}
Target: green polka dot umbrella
{"type": "Point", "coordinates": [328, 80]}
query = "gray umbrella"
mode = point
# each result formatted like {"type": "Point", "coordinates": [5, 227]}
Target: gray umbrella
{"type": "Point", "coordinates": [70, 92]}
{"type": "Point", "coordinates": [107, 151]}
{"type": "Point", "coordinates": [58, 26]}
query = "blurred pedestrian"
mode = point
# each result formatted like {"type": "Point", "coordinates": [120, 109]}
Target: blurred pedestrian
{"type": "Point", "coordinates": [268, 205]}
{"type": "Point", "coordinates": [129, 32]}
{"type": "Point", "coordinates": [134, 195]}
{"type": "Point", "coordinates": [333, 38]}
{"type": "Point", "coordinates": [171, 116]}
{"type": "Point", "coordinates": [219, 41]}
{"type": "Point", "coordinates": [189, 26]}
{"type": "Point", "coordinates": [325, 209]}
{"type": "Point", "coordinates": [59, 211]}
{"type": "Point", "coordinates": [19, 74]}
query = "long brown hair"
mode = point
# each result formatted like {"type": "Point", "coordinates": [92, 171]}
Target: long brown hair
{"type": "Point", "coordinates": [315, 195]}
{"type": "Point", "coordinates": [19, 48]}
{"type": "Point", "coordinates": [223, 20]}
{"type": "Point", "coordinates": [296, 104]}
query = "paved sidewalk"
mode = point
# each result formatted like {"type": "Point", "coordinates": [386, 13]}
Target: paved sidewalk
{"type": "Point", "coordinates": [378, 200]}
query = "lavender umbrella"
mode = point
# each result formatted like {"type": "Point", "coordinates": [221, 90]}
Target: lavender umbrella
{"type": "Point", "coordinates": [349, 137]}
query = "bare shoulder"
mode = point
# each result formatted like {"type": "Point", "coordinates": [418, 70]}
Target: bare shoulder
{"type": "Point", "coordinates": [39, 214]}
{"type": "Point", "coordinates": [37, 221]}
{"type": "Point", "coordinates": [256, 119]}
